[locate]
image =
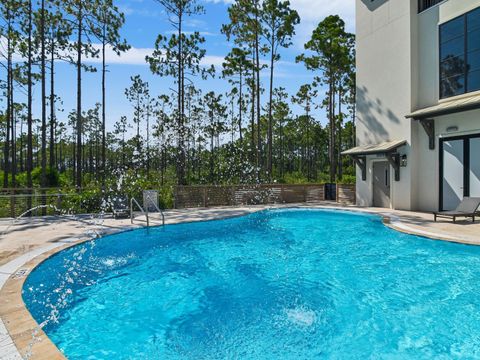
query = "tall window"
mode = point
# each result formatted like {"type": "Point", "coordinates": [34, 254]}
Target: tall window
{"type": "Point", "coordinates": [460, 55]}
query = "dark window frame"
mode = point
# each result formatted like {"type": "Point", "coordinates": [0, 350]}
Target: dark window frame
{"type": "Point", "coordinates": [465, 55]}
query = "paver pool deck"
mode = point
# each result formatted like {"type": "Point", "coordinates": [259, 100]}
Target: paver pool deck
{"type": "Point", "coordinates": [28, 242]}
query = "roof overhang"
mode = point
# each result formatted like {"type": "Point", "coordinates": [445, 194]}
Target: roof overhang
{"type": "Point", "coordinates": [447, 108]}
{"type": "Point", "coordinates": [382, 148]}
{"type": "Point", "coordinates": [389, 149]}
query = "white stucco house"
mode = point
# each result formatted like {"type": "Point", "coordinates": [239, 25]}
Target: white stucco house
{"type": "Point", "coordinates": [418, 102]}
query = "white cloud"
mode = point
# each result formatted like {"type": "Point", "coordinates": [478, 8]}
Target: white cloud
{"type": "Point", "coordinates": [136, 56]}
{"type": "Point", "coordinates": [214, 60]}
{"type": "Point", "coordinates": [314, 11]}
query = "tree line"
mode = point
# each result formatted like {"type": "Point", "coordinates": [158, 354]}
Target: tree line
{"type": "Point", "coordinates": [249, 134]}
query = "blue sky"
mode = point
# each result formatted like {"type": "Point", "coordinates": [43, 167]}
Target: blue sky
{"type": "Point", "coordinates": [145, 19]}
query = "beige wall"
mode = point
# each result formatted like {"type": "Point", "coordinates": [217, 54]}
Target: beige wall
{"type": "Point", "coordinates": [398, 72]}
{"type": "Point", "coordinates": [383, 85]}
{"type": "Point", "coordinates": [428, 176]}
{"type": "Point", "coordinates": [426, 50]}
{"type": "Point", "coordinates": [426, 172]}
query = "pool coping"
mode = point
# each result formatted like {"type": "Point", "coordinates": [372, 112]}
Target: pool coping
{"type": "Point", "coordinates": [21, 336]}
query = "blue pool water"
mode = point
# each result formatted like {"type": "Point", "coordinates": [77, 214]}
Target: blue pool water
{"type": "Point", "coordinates": [288, 284]}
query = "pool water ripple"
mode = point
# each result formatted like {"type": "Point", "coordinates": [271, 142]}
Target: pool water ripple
{"type": "Point", "coordinates": [283, 284]}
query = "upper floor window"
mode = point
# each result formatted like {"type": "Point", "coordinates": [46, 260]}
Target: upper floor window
{"type": "Point", "coordinates": [460, 55]}
{"type": "Point", "coordinates": [425, 4]}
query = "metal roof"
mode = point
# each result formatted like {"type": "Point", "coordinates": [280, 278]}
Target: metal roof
{"type": "Point", "coordinates": [448, 107]}
{"type": "Point", "coordinates": [372, 149]}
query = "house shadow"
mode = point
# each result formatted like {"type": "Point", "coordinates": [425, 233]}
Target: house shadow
{"type": "Point", "coordinates": [371, 110]}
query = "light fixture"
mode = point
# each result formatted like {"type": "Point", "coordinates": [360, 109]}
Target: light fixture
{"type": "Point", "coordinates": [453, 128]}
{"type": "Point", "coordinates": [403, 161]}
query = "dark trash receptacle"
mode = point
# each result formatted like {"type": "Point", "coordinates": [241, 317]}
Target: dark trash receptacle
{"type": "Point", "coordinates": [331, 192]}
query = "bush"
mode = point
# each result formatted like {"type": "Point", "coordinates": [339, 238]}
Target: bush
{"type": "Point", "coordinates": [52, 180]}
{"type": "Point", "coordinates": [348, 180]}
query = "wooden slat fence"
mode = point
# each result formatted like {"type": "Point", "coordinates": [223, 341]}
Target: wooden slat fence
{"type": "Point", "coordinates": [207, 196]}
{"type": "Point", "coordinates": [346, 194]}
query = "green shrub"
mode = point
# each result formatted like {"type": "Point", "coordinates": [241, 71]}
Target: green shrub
{"type": "Point", "coordinates": [52, 177]}
{"type": "Point", "coordinates": [348, 180]}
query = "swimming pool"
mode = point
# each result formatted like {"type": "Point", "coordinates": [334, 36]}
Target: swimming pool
{"type": "Point", "coordinates": [281, 284]}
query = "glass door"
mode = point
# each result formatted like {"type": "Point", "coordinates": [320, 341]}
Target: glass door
{"type": "Point", "coordinates": [453, 173]}
{"type": "Point", "coordinates": [459, 170]}
{"type": "Point", "coordinates": [474, 167]}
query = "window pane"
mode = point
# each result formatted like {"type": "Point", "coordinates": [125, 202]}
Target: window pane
{"type": "Point", "coordinates": [454, 65]}
{"type": "Point", "coordinates": [452, 86]}
{"type": "Point", "coordinates": [473, 39]}
{"type": "Point", "coordinates": [452, 29]}
{"type": "Point", "coordinates": [473, 80]}
{"type": "Point", "coordinates": [451, 48]}
{"type": "Point", "coordinates": [473, 19]}
{"type": "Point", "coordinates": [473, 59]}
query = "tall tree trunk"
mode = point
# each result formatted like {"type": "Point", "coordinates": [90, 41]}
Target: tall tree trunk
{"type": "Point", "coordinates": [6, 150]}
{"type": "Point", "coordinates": [339, 137]}
{"type": "Point", "coordinates": [257, 59]}
{"type": "Point", "coordinates": [270, 116]}
{"type": "Point", "coordinates": [44, 96]}
{"type": "Point", "coordinates": [240, 110]}
{"type": "Point", "coordinates": [333, 127]}
{"type": "Point", "coordinates": [282, 150]}
{"type": "Point", "coordinates": [253, 145]}
{"type": "Point", "coordinates": [211, 152]}
{"type": "Point", "coordinates": [78, 174]}
{"type": "Point", "coordinates": [14, 137]}
{"type": "Point", "coordinates": [29, 105]}
{"type": "Point", "coordinates": [74, 156]}
{"type": "Point", "coordinates": [331, 151]}
{"type": "Point", "coordinates": [22, 145]}
{"type": "Point", "coordinates": [52, 103]}
{"type": "Point", "coordinates": [148, 136]}
{"type": "Point", "coordinates": [104, 141]}
{"type": "Point", "coordinates": [181, 104]}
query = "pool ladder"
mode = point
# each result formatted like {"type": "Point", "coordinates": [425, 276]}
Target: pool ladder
{"type": "Point", "coordinates": [145, 212]}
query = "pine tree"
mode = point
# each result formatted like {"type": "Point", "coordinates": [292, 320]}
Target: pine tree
{"type": "Point", "coordinates": [278, 21]}
{"type": "Point", "coordinates": [110, 20]}
{"type": "Point", "coordinates": [179, 56]}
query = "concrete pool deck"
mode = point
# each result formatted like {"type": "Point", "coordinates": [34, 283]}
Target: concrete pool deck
{"type": "Point", "coordinates": [28, 242]}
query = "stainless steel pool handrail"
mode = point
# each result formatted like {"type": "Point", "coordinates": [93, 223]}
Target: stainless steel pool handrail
{"type": "Point", "coordinates": [132, 201]}
{"type": "Point", "coordinates": [145, 211]}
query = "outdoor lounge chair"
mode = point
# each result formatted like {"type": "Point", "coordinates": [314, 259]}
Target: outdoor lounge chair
{"type": "Point", "coordinates": [467, 209]}
{"type": "Point", "coordinates": [120, 207]}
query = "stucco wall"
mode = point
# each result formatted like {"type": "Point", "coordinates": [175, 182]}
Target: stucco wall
{"type": "Point", "coordinates": [428, 178]}
{"type": "Point", "coordinates": [426, 51]}
{"type": "Point", "coordinates": [383, 85]}
{"type": "Point", "coordinates": [398, 72]}
{"type": "Point", "coordinates": [426, 56]}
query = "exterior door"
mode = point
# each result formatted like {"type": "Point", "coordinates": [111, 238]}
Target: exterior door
{"type": "Point", "coordinates": [453, 173]}
{"type": "Point", "coordinates": [460, 170]}
{"type": "Point", "coordinates": [381, 184]}
{"type": "Point", "coordinates": [474, 167]}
